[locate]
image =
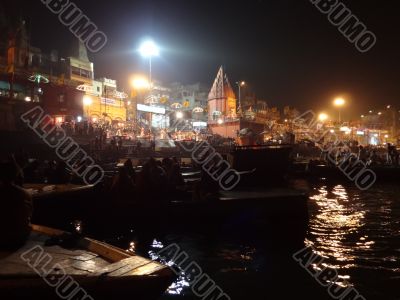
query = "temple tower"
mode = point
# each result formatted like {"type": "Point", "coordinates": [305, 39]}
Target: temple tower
{"type": "Point", "coordinates": [221, 99]}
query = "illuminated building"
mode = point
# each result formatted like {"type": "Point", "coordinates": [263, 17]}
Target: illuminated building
{"type": "Point", "coordinates": [222, 110]}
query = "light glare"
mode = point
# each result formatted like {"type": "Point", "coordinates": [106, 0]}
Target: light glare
{"type": "Point", "coordinates": [149, 49]}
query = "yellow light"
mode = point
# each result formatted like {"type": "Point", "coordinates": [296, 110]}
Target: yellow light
{"type": "Point", "coordinates": [220, 121]}
{"type": "Point", "coordinates": [140, 83]}
{"type": "Point", "coordinates": [323, 117]}
{"type": "Point", "coordinates": [362, 116]}
{"type": "Point", "coordinates": [242, 83]}
{"type": "Point", "coordinates": [339, 102]}
{"type": "Point", "coordinates": [386, 136]}
{"type": "Point", "coordinates": [87, 101]}
{"type": "Point", "coordinates": [379, 113]}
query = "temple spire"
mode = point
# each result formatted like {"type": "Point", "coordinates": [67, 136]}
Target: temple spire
{"type": "Point", "coordinates": [221, 99]}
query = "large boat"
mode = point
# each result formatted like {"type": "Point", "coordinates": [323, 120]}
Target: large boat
{"type": "Point", "coordinates": [54, 264]}
{"type": "Point", "coordinates": [261, 165]}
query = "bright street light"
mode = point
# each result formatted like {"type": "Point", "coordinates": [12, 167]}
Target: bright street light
{"type": "Point", "coordinates": [339, 102]}
{"type": "Point", "coordinates": [220, 121]}
{"type": "Point", "coordinates": [179, 115]}
{"type": "Point", "coordinates": [87, 101]}
{"type": "Point", "coordinates": [240, 84]}
{"type": "Point", "coordinates": [149, 49]}
{"type": "Point", "coordinates": [140, 83]}
{"type": "Point", "coordinates": [323, 117]}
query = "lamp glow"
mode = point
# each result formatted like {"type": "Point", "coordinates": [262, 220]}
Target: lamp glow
{"type": "Point", "coordinates": [179, 115]}
{"type": "Point", "coordinates": [149, 49]}
{"type": "Point", "coordinates": [339, 102]}
{"type": "Point", "coordinates": [323, 117]}
{"type": "Point", "coordinates": [140, 83]}
{"type": "Point", "coordinates": [87, 101]}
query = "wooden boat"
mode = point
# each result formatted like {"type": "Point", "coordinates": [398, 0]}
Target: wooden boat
{"type": "Point", "coordinates": [94, 269]}
{"type": "Point", "coordinates": [261, 165]}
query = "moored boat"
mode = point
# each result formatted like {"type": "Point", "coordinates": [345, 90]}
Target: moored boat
{"type": "Point", "coordinates": [54, 263]}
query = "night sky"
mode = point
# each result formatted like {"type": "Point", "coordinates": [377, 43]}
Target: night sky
{"type": "Point", "coordinates": [287, 51]}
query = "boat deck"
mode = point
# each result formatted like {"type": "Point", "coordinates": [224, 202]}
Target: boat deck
{"type": "Point", "coordinates": [74, 261]}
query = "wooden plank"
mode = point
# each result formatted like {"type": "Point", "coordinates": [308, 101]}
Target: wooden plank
{"type": "Point", "coordinates": [109, 252]}
{"type": "Point", "coordinates": [132, 261]}
{"type": "Point", "coordinates": [148, 269]}
{"type": "Point", "coordinates": [84, 267]}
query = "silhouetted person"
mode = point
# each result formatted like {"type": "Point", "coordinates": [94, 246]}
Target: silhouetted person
{"type": "Point", "coordinates": [152, 182]}
{"type": "Point", "coordinates": [128, 165]}
{"type": "Point", "coordinates": [15, 211]}
{"type": "Point", "coordinates": [61, 174]}
{"type": "Point", "coordinates": [123, 188]}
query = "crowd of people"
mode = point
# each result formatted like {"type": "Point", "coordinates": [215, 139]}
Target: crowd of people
{"type": "Point", "coordinates": [152, 184]}
{"type": "Point", "coordinates": [371, 155]}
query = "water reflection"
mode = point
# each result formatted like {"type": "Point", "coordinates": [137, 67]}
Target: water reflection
{"type": "Point", "coordinates": [357, 232]}
{"type": "Point", "coordinates": [336, 219]}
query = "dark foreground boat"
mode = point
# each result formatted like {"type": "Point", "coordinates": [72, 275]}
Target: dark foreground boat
{"type": "Point", "coordinates": [280, 213]}
{"type": "Point", "coordinates": [55, 264]}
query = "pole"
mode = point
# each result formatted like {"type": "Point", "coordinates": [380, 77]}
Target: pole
{"type": "Point", "coordinates": [150, 71]}
{"type": "Point", "coordinates": [240, 98]}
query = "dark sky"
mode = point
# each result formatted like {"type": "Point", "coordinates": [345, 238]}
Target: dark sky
{"type": "Point", "coordinates": [286, 50]}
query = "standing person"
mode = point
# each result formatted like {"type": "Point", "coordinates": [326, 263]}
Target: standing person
{"type": "Point", "coordinates": [138, 146]}
{"type": "Point", "coordinates": [119, 143]}
{"type": "Point", "coordinates": [16, 209]}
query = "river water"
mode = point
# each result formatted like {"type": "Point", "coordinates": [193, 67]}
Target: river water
{"type": "Point", "coordinates": [357, 232]}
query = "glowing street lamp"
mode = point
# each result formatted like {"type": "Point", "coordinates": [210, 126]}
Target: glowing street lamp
{"type": "Point", "coordinates": [148, 49]}
{"type": "Point", "coordinates": [323, 117]}
{"type": "Point", "coordinates": [339, 102]}
{"type": "Point", "coordinates": [220, 121]}
{"type": "Point", "coordinates": [179, 115]}
{"type": "Point", "coordinates": [140, 83]}
{"type": "Point", "coordinates": [240, 84]}
{"type": "Point", "coordinates": [87, 101]}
